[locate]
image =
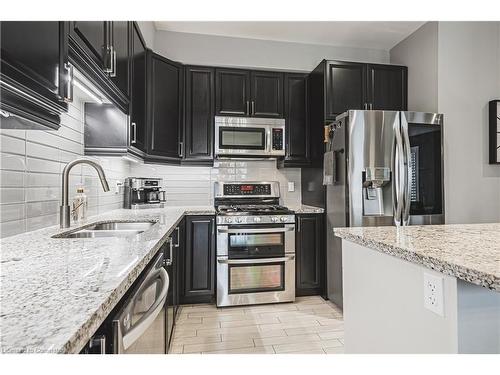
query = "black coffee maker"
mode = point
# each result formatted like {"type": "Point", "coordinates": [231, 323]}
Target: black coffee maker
{"type": "Point", "coordinates": [144, 193]}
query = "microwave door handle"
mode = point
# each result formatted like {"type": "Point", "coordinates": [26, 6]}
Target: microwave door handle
{"type": "Point", "coordinates": [256, 230]}
{"type": "Point", "coordinates": [256, 261]}
{"type": "Point", "coordinates": [149, 317]}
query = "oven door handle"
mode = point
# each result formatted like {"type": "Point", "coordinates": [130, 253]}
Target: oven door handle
{"type": "Point", "coordinates": [256, 261]}
{"type": "Point", "coordinates": [256, 230]}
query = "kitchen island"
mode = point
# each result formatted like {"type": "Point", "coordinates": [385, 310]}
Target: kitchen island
{"type": "Point", "coordinates": [421, 289]}
{"type": "Point", "coordinates": [56, 292]}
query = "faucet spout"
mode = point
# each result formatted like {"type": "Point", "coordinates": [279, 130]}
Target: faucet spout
{"type": "Point", "coordinates": [64, 210]}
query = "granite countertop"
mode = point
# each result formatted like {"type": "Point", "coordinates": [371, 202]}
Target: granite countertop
{"type": "Point", "coordinates": [470, 252]}
{"type": "Point", "coordinates": [56, 292]}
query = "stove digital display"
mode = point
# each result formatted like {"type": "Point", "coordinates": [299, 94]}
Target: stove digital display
{"type": "Point", "coordinates": [247, 189]}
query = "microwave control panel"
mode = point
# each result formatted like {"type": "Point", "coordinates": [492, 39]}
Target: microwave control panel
{"type": "Point", "coordinates": [277, 136]}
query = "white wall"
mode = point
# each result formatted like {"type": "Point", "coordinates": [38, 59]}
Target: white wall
{"type": "Point", "coordinates": [468, 78]}
{"type": "Point", "coordinates": [148, 31]}
{"type": "Point", "coordinates": [216, 50]}
{"type": "Point", "coordinates": [419, 52]}
{"type": "Point", "coordinates": [463, 58]}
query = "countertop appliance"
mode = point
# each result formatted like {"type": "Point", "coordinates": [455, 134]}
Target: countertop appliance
{"type": "Point", "coordinates": [387, 170]}
{"type": "Point", "coordinates": [249, 137]}
{"type": "Point", "coordinates": [255, 244]}
{"type": "Point", "coordinates": [144, 193]}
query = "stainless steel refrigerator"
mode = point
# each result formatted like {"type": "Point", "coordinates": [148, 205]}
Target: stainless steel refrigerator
{"type": "Point", "coordinates": [384, 168]}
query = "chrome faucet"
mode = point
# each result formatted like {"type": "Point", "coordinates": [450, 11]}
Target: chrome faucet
{"type": "Point", "coordinates": [64, 210]}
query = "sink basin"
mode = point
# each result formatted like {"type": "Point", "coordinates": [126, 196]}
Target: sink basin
{"type": "Point", "coordinates": [121, 226]}
{"type": "Point", "coordinates": [111, 229]}
{"type": "Point", "coordinates": [100, 233]}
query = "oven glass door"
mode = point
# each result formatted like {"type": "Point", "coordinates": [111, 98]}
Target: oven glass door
{"type": "Point", "coordinates": [238, 138]}
{"type": "Point", "coordinates": [257, 277]}
{"type": "Point", "coordinates": [256, 242]}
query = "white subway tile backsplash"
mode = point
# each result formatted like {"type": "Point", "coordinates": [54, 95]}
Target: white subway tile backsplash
{"type": "Point", "coordinates": [12, 145]}
{"type": "Point", "coordinates": [37, 150]}
{"type": "Point", "coordinates": [34, 209]}
{"type": "Point", "coordinates": [10, 212]}
{"type": "Point", "coordinates": [12, 162]}
{"type": "Point", "coordinates": [11, 195]}
{"type": "Point", "coordinates": [11, 228]}
{"type": "Point", "coordinates": [11, 179]}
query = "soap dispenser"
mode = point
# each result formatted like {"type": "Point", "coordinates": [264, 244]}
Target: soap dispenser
{"type": "Point", "coordinates": [79, 206]}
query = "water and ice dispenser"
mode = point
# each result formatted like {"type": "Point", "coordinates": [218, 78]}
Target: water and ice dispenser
{"type": "Point", "coordinates": [376, 186]}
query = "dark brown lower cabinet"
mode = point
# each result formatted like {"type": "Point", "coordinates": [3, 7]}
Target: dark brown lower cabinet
{"type": "Point", "coordinates": [310, 255]}
{"type": "Point", "coordinates": [198, 260]}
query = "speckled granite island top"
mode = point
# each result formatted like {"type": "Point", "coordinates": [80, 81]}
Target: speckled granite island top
{"type": "Point", "coordinates": [56, 292]}
{"type": "Point", "coordinates": [470, 252]}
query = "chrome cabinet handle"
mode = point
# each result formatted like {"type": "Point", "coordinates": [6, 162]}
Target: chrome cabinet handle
{"type": "Point", "coordinates": [69, 84]}
{"type": "Point", "coordinates": [181, 149]}
{"type": "Point", "coordinates": [98, 341]}
{"type": "Point", "coordinates": [134, 132]}
{"type": "Point", "coordinates": [178, 237]}
{"type": "Point", "coordinates": [256, 230]}
{"type": "Point", "coordinates": [113, 64]}
{"type": "Point", "coordinates": [256, 261]}
{"type": "Point", "coordinates": [371, 106]}
{"type": "Point", "coordinates": [253, 108]}
{"type": "Point", "coordinates": [407, 172]}
{"type": "Point", "coordinates": [168, 262]}
{"type": "Point", "coordinates": [248, 108]}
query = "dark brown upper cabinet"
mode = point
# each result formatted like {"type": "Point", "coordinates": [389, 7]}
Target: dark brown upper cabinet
{"type": "Point", "coordinates": [266, 92]}
{"type": "Point", "coordinates": [232, 91]}
{"type": "Point", "coordinates": [166, 84]}
{"type": "Point", "coordinates": [101, 51]}
{"type": "Point", "coordinates": [199, 115]}
{"type": "Point", "coordinates": [296, 120]}
{"type": "Point", "coordinates": [138, 119]}
{"type": "Point", "coordinates": [120, 73]}
{"type": "Point", "coordinates": [345, 87]}
{"type": "Point", "coordinates": [95, 39]}
{"type": "Point", "coordinates": [35, 83]}
{"type": "Point", "coordinates": [248, 93]}
{"type": "Point", "coordinates": [387, 87]}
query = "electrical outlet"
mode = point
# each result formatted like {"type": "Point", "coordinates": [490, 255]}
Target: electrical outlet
{"type": "Point", "coordinates": [291, 186]}
{"type": "Point", "coordinates": [433, 293]}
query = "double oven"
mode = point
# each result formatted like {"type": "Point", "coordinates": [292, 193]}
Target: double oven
{"type": "Point", "coordinates": [255, 251]}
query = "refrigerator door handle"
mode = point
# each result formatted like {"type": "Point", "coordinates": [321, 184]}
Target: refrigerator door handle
{"type": "Point", "coordinates": [398, 167]}
{"type": "Point", "coordinates": [407, 180]}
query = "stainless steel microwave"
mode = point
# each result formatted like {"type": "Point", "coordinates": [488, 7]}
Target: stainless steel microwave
{"type": "Point", "coordinates": [249, 137]}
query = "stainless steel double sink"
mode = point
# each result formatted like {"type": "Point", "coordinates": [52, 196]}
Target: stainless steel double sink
{"type": "Point", "coordinates": [109, 229]}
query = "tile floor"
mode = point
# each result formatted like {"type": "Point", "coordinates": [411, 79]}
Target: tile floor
{"type": "Point", "coordinates": [310, 325]}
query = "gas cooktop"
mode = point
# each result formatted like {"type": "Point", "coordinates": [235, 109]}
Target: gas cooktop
{"type": "Point", "coordinates": [253, 209]}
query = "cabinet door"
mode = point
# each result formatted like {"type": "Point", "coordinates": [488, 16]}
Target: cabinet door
{"type": "Point", "coordinates": [34, 74]}
{"type": "Point", "coordinates": [165, 107]}
{"type": "Point", "coordinates": [345, 87]}
{"type": "Point", "coordinates": [387, 87]}
{"type": "Point", "coordinates": [138, 101]}
{"type": "Point", "coordinates": [296, 120]}
{"type": "Point", "coordinates": [120, 41]}
{"type": "Point", "coordinates": [199, 260]}
{"type": "Point", "coordinates": [310, 257]}
{"type": "Point", "coordinates": [93, 36]}
{"type": "Point", "coordinates": [232, 91]}
{"type": "Point", "coordinates": [266, 94]}
{"type": "Point", "coordinates": [199, 114]}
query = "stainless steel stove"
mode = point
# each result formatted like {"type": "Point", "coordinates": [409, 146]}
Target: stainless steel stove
{"type": "Point", "coordinates": [255, 244]}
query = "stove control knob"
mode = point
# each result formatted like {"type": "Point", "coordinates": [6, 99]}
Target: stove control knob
{"type": "Point", "coordinates": [239, 219]}
{"type": "Point", "coordinates": [274, 219]}
{"type": "Point", "coordinates": [229, 220]}
{"type": "Point", "coordinates": [256, 219]}
{"type": "Point", "coordinates": [283, 219]}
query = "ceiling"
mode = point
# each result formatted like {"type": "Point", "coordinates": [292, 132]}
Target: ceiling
{"type": "Point", "coordinates": [361, 34]}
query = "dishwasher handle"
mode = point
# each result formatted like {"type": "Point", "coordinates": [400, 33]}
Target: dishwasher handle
{"type": "Point", "coordinates": [149, 317]}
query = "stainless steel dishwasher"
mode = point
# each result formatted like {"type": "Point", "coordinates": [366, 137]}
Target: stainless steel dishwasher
{"type": "Point", "coordinates": [140, 326]}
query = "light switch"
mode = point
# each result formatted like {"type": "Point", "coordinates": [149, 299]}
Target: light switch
{"type": "Point", "coordinates": [291, 186]}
